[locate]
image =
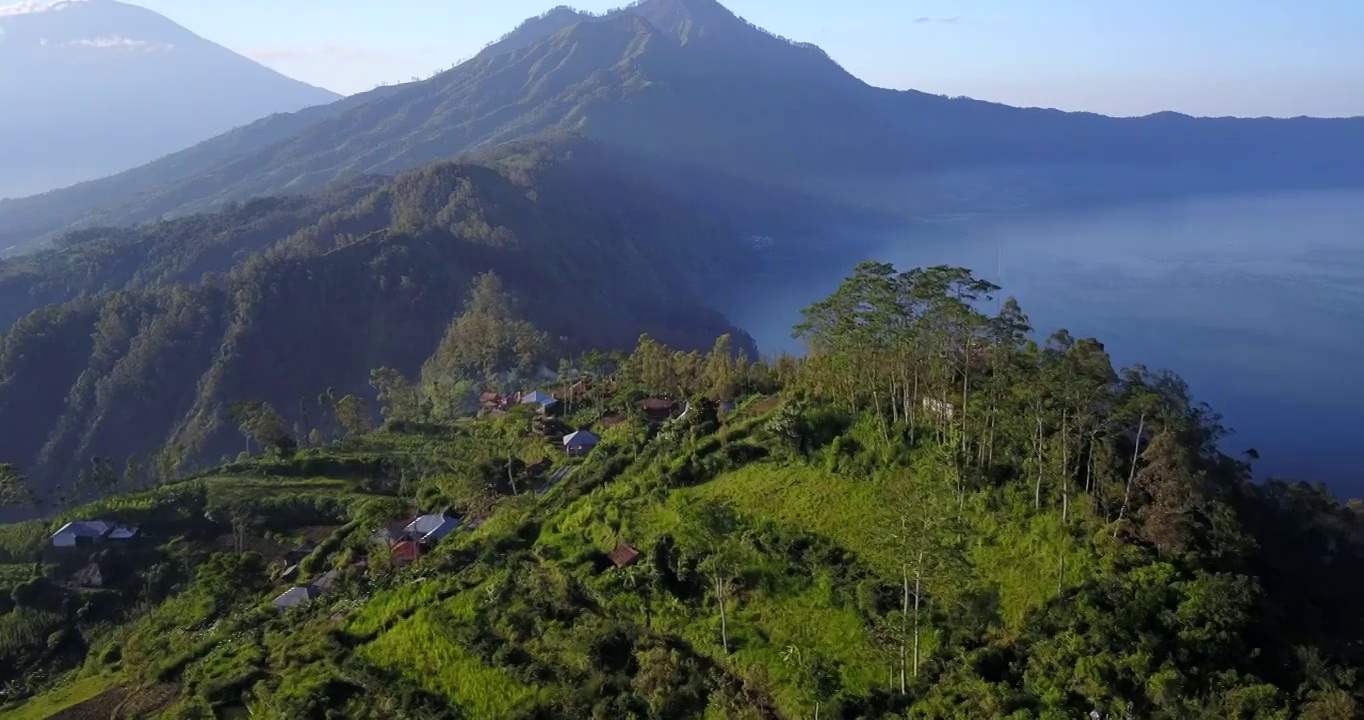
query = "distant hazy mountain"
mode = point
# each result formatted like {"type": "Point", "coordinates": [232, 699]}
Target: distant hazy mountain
{"type": "Point", "coordinates": [689, 82]}
{"type": "Point", "coordinates": [126, 340]}
{"type": "Point", "coordinates": [93, 87]}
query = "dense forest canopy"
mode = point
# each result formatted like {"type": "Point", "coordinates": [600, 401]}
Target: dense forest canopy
{"type": "Point", "coordinates": [931, 514]}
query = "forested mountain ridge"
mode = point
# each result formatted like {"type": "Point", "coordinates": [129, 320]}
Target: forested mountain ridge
{"type": "Point", "coordinates": [182, 250]}
{"type": "Point", "coordinates": [156, 330]}
{"type": "Point", "coordinates": [931, 515]}
{"type": "Point", "coordinates": [687, 81]}
{"type": "Point", "coordinates": [109, 86]}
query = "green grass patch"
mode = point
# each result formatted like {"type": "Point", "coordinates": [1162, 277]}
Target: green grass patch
{"type": "Point", "coordinates": [15, 573]}
{"type": "Point", "coordinates": [769, 626]}
{"type": "Point", "coordinates": [422, 650]}
{"type": "Point", "coordinates": [21, 542]}
{"type": "Point", "coordinates": [387, 607]}
{"type": "Point", "coordinates": [854, 513]}
{"type": "Point", "coordinates": [63, 698]}
{"type": "Point", "coordinates": [26, 628]}
{"type": "Point", "coordinates": [1013, 549]}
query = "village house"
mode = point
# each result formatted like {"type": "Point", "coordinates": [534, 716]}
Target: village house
{"type": "Point", "coordinates": [325, 581]}
{"type": "Point", "coordinates": [657, 409]}
{"type": "Point", "coordinates": [392, 533]}
{"type": "Point", "coordinates": [296, 556]}
{"type": "Point", "coordinates": [581, 442]}
{"type": "Point", "coordinates": [294, 597]}
{"type": "Point", "coordinates": [624, 555]}
{"type": "Point", "coordinates": [548, 403]}
{"type": "Point", "coordinates": [430, 529]}
{"type": "Point", "coordinates": [407, 551]}
{"type": "Point", "coordinates": [88, 532]}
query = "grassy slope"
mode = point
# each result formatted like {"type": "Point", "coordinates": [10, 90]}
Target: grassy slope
{"type": "Point", "coordinates": [1013, 547]}
{"type": "Point", "coordinates": [416, 627]}
{"type": "Point", "coordinates": [63, 698]}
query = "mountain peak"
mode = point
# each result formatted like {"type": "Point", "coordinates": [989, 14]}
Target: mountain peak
{"type": "Point", "coordinates": [101, 24]}
{"type": "Point", "coordinates": [154, 87]}
{"type": "Point", "coordinates": [532, 30]}
{"type": "Point", "coordinates": [734, 42]}
{"type": "Point", "coordinates": [33, 7]}
{"type": "Point", "coordinates": [692, 19]}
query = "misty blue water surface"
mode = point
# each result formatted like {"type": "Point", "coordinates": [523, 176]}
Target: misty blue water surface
{"type": "Point", "coordinates": [1257, 301]}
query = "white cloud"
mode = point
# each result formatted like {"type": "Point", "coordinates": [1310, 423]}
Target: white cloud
{"type": "Point", "coordinates": [116, 42]}
{"type": "Point", "coordinates": [937, 20]}
{"type": "Point", "coordinates": [29, 7]}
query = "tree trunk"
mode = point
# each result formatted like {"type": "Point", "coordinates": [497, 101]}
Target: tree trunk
{"type": "Point", "coordinates": [894, 404]}
{"type": "Point", "coordinates": [914, 407]}
{"type": "Point", "coordinates": [904, 635]}
{"type": "Point", "coordinates": [1037, 489]}
{"type": "Point", "coordinates": [1065, 468]}
{"type": "Point", "coordinates": [994, 421]}
{"type": "Point", "coordinates": [1131, 472]}
{"type": "Point", "coordinates": [724, 618]}
{"type": "Point", "coordinates": [881, 416]}
{"type": "Point", "coordinates": [918, 586]}
{"type": "Point", "coordinates": [1061, 573]}
{"type": "Point", "coordinates": [965, 395]}
{"type": "Point", "coordinates": [1089, 466]}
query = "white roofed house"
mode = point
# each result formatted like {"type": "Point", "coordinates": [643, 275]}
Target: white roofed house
{"type": "Point", "coordinates": [429, 529]}
{"type": "Point", "coordinates": [546, 401]}
{"type": "Point", "coordinates": [581, 442]}
{"type": "Point", "coordinates": [294, 597]}
{"type": "Point", "coordinates": [81, 532]}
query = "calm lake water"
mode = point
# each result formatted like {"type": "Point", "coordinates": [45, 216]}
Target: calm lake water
{"type": "Point", "coordinates": [1257, 301]}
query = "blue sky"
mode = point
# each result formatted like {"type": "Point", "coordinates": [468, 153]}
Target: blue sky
{"type": "Point", "coordinates": [1203, 57]}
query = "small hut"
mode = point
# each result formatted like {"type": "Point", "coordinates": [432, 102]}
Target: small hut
{"type": "Point", "coordinates": [407, 551]}
{"type": "Point", "coordinates": [547, 403]}
{"type": "Point", "coordinates": [624, 555]}
{"type": "Point", "coordinates": [294, 597]}
{"type": "Point", "coordinates": [581, 442]}
{"type": "Point", "coordinates": [657, 409]}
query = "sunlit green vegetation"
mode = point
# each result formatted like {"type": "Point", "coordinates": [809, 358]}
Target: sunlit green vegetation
{"type": "Point", "coordinates": [1066, 538]}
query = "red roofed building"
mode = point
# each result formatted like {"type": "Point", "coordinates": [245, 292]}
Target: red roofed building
{"type": "Point", "coordinates": [407, 551]}
{"type": "Point", "coordinates": [624, 555]}
{"type": "Point", "coordinates": [657, 409]}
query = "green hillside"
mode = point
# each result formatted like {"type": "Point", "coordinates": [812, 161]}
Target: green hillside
{"type": "Point", "coordinates": [132, 344]}
{"type": "Point", "coordinates": [813, 538]}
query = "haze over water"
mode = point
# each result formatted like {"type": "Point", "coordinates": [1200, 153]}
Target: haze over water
{"type": "Point", "coordinates": [1256, 301]}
